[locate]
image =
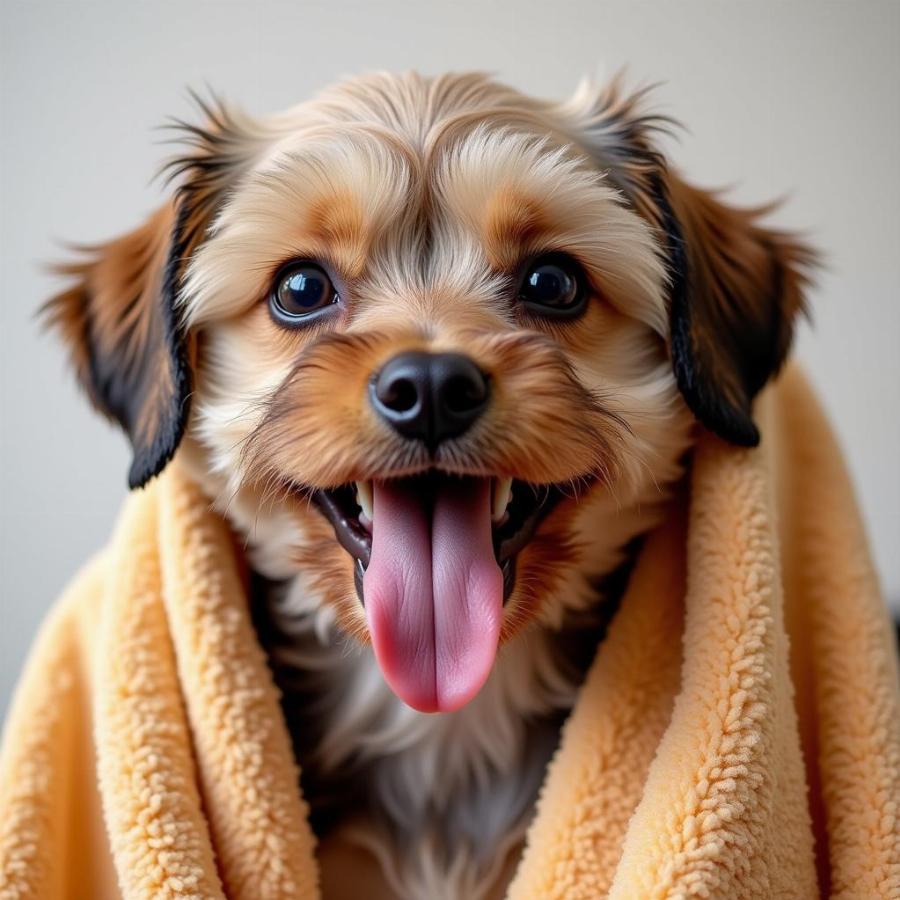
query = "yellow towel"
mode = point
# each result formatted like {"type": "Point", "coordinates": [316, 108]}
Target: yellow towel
{"type": "Point", "coordinates": [738, 735]}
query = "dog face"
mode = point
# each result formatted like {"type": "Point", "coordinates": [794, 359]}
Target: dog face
{"type": "Point", "coordinates": [434, 334]}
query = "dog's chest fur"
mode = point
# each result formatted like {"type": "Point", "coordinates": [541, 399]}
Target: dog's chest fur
{"type": "Point", "coordinates": [440, 801]}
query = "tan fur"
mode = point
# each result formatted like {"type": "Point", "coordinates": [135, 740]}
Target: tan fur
{"type": "Point", "coordinates": [513, 223]}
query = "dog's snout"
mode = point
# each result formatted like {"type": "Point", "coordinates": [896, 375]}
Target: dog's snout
{"type": "Point", "coordinates": [430, 396]}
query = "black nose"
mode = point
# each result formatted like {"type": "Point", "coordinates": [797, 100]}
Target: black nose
{"type": "Point", "coordinates": [430, 396]}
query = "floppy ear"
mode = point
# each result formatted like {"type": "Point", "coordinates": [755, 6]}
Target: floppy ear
{"type": "Point", "coordinates": [129, 351]}
{"type": "Point", "coordinates": [736, 287]}
{"type": "Point", "coordinates": [120, 318]}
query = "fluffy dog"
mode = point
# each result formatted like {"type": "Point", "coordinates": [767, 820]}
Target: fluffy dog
{"type": "Point", "coordinates": [437, 350]}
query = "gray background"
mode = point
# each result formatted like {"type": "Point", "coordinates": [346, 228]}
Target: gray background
{"type": "Point", "coordinates": [778, 97]}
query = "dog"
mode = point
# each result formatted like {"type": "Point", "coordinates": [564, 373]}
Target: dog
{"type": "Point", "coordinates": [439, 352]}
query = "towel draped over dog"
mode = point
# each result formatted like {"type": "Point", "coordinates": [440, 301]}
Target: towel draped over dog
{"type": "Point", "coordinates": [737, 736]}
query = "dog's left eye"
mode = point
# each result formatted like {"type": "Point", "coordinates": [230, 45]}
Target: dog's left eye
{"type": "Point", "coordinates": [301, 289]}
{"type": "Point", "coordinates": [554, 285]}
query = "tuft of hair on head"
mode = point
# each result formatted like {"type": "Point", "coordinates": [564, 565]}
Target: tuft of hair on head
{"type": "Point", "coordinates": [214, 156]}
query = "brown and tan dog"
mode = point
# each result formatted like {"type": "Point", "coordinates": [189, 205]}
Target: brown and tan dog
{"type": "Point", "coordinates": [437, 350]}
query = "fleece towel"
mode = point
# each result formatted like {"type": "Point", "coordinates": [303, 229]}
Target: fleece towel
{"type": "Point", "coordinates": [738, 735]}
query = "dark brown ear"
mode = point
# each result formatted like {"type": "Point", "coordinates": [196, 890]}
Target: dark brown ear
{"type": "Point", "coordinates": [120, 319]}
{"type": "Point", "coordinates": [119, 322]}
{"type": "Point", "coordinates": [737, 288]}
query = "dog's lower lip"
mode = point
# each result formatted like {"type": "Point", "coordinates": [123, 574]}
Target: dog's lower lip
{"type": "Point", "coordinates": [529, 505]}
{"type": "Point", "coordinates": [351, 534]}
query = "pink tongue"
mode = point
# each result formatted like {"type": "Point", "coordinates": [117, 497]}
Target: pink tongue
{"type": "Point", "coordinates": [433, 591]}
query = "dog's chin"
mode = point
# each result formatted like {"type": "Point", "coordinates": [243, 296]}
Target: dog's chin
{"type": "Point", "coordinates": [434, 563]}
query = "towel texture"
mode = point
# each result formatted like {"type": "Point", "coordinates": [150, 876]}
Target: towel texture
{"type": "Point", "coordinates": [738, 735]}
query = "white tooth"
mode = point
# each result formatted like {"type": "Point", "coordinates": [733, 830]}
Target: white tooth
{"type": "Point", "coordinates": [502, 495]}
{"type": "Point", "coordinates": [364, 498]}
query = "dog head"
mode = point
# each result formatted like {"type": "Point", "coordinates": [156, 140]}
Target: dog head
{"type": "Point", "coordinates": [417, 334]}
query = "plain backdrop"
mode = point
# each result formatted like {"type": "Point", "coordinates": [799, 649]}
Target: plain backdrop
{"type": "Point", "coordinates": [779, 98]}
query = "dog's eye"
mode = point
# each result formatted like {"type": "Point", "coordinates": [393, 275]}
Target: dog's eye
{"type": "Point", "coordinates": [554, 285]}
{"type": "Point", "coordinates": [301, 289]}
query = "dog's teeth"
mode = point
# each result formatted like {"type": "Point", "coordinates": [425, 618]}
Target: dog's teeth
{"type": "Point", "coordinates": [364, 498]}
{"type": "Point", "coordinates": [501, 498]}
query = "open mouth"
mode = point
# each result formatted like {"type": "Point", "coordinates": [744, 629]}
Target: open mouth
{"type": "Point", "coordinates": [435, 558]}
{"type": "Point", "coordinates": [517, 508]}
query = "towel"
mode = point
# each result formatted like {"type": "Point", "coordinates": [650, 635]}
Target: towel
{"type": "Point", "coordinates": [737, 736]}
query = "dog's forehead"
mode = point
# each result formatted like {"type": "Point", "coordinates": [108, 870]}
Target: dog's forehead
{"type": "Point", "coordinates": [361, 176]}
{"type": "Point", "coordinates": [359, 188]}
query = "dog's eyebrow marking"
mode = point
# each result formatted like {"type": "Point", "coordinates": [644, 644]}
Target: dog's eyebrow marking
{"type": "Point", "coordinates": [513, 223]}
{"type": "Point", "coordinates": [337, 221]}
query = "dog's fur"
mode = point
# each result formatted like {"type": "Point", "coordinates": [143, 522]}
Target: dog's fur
{"type": "Point", "coordinates": [423, 197]}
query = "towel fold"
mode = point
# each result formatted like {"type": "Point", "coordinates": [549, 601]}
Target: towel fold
{"type": "Point", "coordinates": [738, 735]}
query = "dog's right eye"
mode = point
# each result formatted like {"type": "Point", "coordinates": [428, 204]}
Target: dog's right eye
{"type": "Point", "coordinates": [300, 290]}
{"type": "Point", "coordinates": [553, 286]}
